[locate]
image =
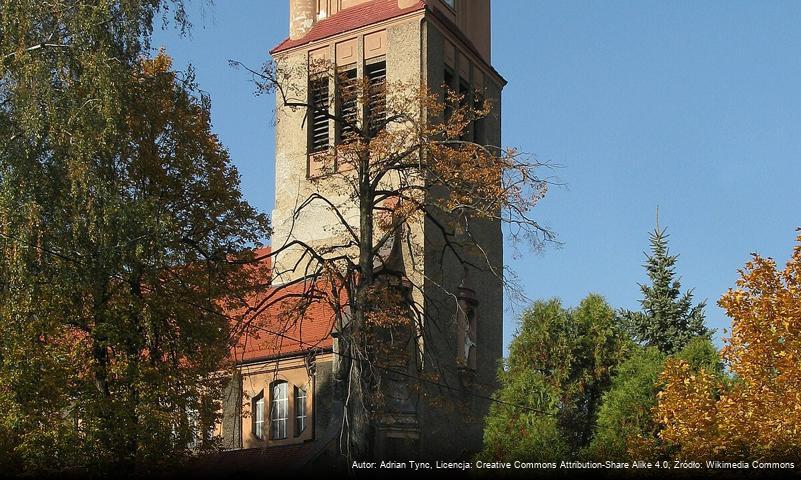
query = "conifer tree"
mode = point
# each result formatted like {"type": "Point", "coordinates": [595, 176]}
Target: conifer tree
{"type": "Point", "coordinates": [668, 320]}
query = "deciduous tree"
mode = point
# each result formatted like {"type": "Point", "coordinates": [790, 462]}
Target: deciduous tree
{"type": "Point", "coordinates": [625, 412]}
{"type": "Point", "coordinates": [389, 174]}
{"type": "Point", "coordinates": [120, 215]}
{"type": "Point", "coordinates": [560, 364]}
{"type": "Point", "coordinates": [758, 414]}
{"type": "Point", "coordinates": [626, 426]}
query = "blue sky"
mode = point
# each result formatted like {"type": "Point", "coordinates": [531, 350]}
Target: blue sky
{"type": "Point", "coordinates": [694, 106]}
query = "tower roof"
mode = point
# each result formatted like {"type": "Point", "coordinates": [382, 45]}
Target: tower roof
{"type": "Point", "coordinates": [350, 19]}
{"type": "Point", "coordinates": [377, 11]}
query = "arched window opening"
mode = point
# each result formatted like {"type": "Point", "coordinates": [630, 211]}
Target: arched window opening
{"type": "Point", "coordinates": [279, 415]}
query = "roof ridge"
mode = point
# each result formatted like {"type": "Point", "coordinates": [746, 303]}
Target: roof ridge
{"type": "Point", "coordinates": [351, 18]}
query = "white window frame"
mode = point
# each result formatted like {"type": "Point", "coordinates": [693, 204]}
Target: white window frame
{"type": "Point", "coordinates": [279, 410]}
{"type": "Point", "coordinates": [301, 416]}
{"type": "Point", "coordinates": [258, 416]}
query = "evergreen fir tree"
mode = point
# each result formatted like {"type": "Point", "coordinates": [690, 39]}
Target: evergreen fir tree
{"type": "Point", "coordinates": [668, 320]}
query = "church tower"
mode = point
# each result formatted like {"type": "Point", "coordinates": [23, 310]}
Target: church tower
{"type": "Point", "coordinates": [429, 42]}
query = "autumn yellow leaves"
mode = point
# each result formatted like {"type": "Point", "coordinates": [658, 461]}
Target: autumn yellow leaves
{"type": "Point", "coordinates": [756, 412]}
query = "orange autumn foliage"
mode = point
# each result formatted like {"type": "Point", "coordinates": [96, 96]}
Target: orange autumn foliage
{"type": "Point", "coordinates": [757, 414]}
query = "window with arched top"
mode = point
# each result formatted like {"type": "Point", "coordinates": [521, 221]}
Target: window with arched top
{"type": "Point", "coordinates": [279, 410]}
{"type": "Point", "coordinates": [300, 411]}
{"type": "Point", "coordinates": [258, 415]}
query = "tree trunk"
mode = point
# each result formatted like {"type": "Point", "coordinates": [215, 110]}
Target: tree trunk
{"type": "Point", "coordinates": [359, 405]}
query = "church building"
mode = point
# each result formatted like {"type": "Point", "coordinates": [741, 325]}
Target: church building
{"type": "Point", "coordinates": [281, 405]}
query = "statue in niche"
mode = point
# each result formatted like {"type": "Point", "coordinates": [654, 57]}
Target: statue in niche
{"type": "Point", "coordinates": [469, 343]}
{"type": "Point", "coordinates": [466, 324]}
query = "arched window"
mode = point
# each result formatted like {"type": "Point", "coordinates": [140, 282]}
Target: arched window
{"type": "Point", "coordinates": [300, 410]}
{"type": "Point", "coordinates": [279, 411]}
{"type": "Point", "coordinates": [258, 415]}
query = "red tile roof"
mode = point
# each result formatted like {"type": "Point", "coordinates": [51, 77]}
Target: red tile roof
{"type": "Point", "coordinates": [263, 254]}
{"type": "Point", "coordinates": [282, 320]}
{"type": "Point", "coordinates": [290, 325]}
{"type": "Point", "coordinates": [350, 19]}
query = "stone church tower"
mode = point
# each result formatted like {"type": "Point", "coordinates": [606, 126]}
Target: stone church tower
{"type": "Point", "coordinates": [433, 42]}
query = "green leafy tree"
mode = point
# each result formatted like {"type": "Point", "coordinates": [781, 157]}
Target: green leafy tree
{"type": "Point", "coordinates": [625, 425]}
{"type": "Point", "coordinates": [560, 363]}
{"type": "Point", "coordinates": [599, 346]}
{"type": "Point", "coordinates": [122, 228]}
{"type": "Point", "coordinates": [668, 320]}
{"type": "Point", "coordinates": [625, 412]}
{"type": "Point", "coordinates": [525, 425]}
